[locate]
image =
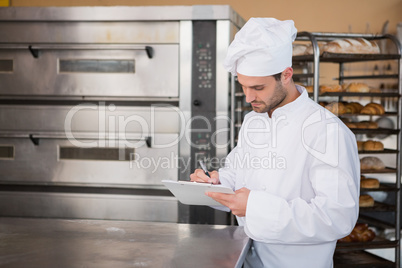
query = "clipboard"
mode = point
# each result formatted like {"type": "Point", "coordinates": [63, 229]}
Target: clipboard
{"type": "Point", "coordinates": [193, 193]}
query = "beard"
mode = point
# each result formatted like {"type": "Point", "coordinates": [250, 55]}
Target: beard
{"type": "Point", "coordinates": [276, 99]}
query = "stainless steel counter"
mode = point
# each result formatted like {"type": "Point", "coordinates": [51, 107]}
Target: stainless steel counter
{"type": "Point", "coordinates": [27, 242]}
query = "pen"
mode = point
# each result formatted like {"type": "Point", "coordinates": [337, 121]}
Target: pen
{"type": "Point", "coordinates": [204, 168]}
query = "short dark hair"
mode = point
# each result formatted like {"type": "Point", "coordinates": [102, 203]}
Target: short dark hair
{"type": "Point", "coordinates": [277, 76]}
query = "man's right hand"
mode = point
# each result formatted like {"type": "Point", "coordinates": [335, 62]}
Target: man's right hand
{"type": "Point", "coordinates": [199, 176]}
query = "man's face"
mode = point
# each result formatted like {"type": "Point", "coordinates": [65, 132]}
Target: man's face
{"type": "Point", "coordinates": [263, 93]}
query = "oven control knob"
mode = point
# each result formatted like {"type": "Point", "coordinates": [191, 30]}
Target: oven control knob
{"type": "Point", "coordinates": [197, 103]}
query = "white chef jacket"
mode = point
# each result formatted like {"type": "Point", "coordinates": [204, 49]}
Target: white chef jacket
{"type": "Point", "coordinates": [303, 170]}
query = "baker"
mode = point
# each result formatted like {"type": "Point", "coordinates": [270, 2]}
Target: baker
{"type": "Point", "coordinates": [295, 169]}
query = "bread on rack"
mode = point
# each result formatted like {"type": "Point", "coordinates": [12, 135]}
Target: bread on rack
{"type": "Point", "coordinates": [337, 108]}
{"type": "Point", "coordinates": [373, 108]}
{"type": "Point", "coordinates": [323, 103]}
{"type": "Point", "coordinates": [362, 125]}
{"type": "Point", "coordinates": [310, 89]}
{"type": "Point", "coordinates": [310, 50]}
{"type": "Point", "coordinates": [360, 233]}
{"type": "Point", "coordinates": [299, 49]}
{"type": "Point", "coordinates": [337, 46]}
{"type": "Point", "coordinates": [375, 90]}
{"type": "Point", "coordinates": [357, 87]}
{"type": "Point", "coordinates": [369, 183]}
{"type": "Point", "coordinates": [331, 88]}
{"type": "Point", "coordinates": [344, 107]}
{"type": "Point", "coordinates": [370, 110]}
{"type": "Point", "coordinates": [371, 145]}
{"type": "Point", "coordinates": [360, 145]}
{"type": "Point", "coordinates": [371, 162]}
{"type": "Point", "coordinates": [351, 125]}
{"type": "Point", "coordinates": [352, 45]}
{"type": "Point", "coordinates": [361, 45]}
{"type": "Point", "coordinates": [367, 124]}
{"type": "Point", "coordinates": [353, 107]}
{"type": "Point", "coordinates": [366, 201]}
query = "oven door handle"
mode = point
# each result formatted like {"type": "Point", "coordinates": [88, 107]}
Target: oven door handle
{"type": "Point", "coordinates": [35, 49]}
{"type": "Point", "coordinates": [35, 138]}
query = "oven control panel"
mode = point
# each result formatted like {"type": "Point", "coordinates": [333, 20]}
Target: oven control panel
{"type": "Point", "coordinates": [203, 111]}
{"type": "Point", "coordinates": [203, 93]}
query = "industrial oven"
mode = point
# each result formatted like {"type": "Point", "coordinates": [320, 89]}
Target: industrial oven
{"type": "Point", "coordinates": [99, 104]}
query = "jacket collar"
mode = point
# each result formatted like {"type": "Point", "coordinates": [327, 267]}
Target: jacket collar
{"type": "Point", "coordinates": [295, 105]}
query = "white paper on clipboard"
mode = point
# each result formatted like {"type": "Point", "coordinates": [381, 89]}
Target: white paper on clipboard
{"type": "Point", "coordinates": [193, 193]}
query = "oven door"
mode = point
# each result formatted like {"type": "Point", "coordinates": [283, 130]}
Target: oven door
{"type": "Point", "coordinates": [87, 59]}
{"type": "Point", "coordinates": [93, 71]}
{"type": "Point", "coordinates": [89, 144]}
{"type": "Point", "coordinates": [89, 161]}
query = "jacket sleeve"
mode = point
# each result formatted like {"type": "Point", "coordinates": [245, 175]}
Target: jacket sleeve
{"type": "Point", "coordinates": [331, 214]}
{"type": "Point", "coordinates": [227, 176]}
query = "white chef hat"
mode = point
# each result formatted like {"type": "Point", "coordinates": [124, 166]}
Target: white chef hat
{"type": "Point", "coordinates": [262, 47]}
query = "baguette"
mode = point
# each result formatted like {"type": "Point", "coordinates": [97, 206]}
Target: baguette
{"type": "Point", "coordinates": [349, 45]}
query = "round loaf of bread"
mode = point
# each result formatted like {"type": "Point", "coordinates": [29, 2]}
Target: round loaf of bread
{"type": "Point", "coordinates": [367, 235]}
{"type": "Point", "coordinates": [346, 239]}
{"type": "Point", "coordinates": [371, 145]}
{"type": "Point", "coordinates": [365, 201]}
{"type": "Point", "coordinates": [360, 227]}
{"type": "Point", "coordinates": [371, 162]}
{"type": "Point", "coordinates": [360, 233]}
{"type": "Point", "coordinates": [369, 183]}
{"type": "Point", "coordinates": [358, 87]}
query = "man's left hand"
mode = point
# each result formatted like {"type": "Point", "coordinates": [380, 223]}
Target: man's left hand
{"type": "Point", "coordinates": [237, 202]}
